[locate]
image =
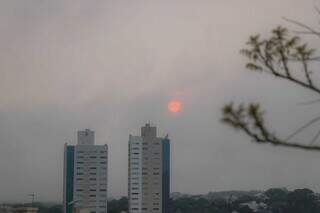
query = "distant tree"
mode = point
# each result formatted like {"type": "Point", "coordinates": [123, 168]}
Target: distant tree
{"type": "Point", "coordinates": [116, 206]}
{"type": "Point", "coordinates": [285, 57]}
{"type": "Point", "coordinates": [245, 199]}
{"type": "Point", "coordinates": [178, 211]}
{"type": "Point", "coordinates": [55, 209]}
{"type": "Point", "coordinates": [245, 209]}
{"type": "Point", "coordinates": [277, 195]}
{"type": "Point", "coordinates": [220, 202]}
{"type": "Point", "coordinates": [302, 200]}
{"type": "Point", "coordinates": [185, 205]}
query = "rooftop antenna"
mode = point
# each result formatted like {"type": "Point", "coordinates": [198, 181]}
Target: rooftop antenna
{"type": "Point", "coordinates": [32, 198]}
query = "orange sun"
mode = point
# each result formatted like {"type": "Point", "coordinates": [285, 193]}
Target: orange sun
{"type": "Point", "coordinates": [174, 106]}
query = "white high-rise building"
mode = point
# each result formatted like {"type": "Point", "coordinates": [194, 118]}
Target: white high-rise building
{"type": "Point", "coordinates": [149, 172]}
{"type": "Point", "coordinates": [85, 175]}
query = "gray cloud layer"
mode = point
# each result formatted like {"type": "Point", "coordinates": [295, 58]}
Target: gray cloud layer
{"type": "Point", "coordinates": [113, 65]}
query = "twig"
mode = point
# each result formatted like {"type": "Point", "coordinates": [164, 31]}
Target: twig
{"type": "Point", "coordinates": [310, 29]}
{"type": "Point", "coordinates": [309, 102]}
{"type": "Point", "coordinates": [315, 138]}
{"type": "Point", "coordinates": [302, 128]}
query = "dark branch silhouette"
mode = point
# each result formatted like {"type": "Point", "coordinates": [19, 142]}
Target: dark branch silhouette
{"type": "Point", "coordinates": [250, 120]}
{"type": "Point", "coordinates": [282, 56]}
{"type": "Point", "coordinates": [309, 30]}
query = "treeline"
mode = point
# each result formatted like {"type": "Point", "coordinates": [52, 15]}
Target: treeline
{"type": "Point", "coordinates": [276, 200]}
{"type": "Point", "coordinates": [43, 207]}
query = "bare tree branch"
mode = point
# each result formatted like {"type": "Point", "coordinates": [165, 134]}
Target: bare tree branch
{"type": "Point", "coordinates": [250, 120]}
{"type": "Point", "coordinates": [303, 128]}
{"type": "Point", "coordinates": [315, 138]}
{"type": "Point", "coordinates": [303, 32]}
{"type": "Point", "coordinates": [276, 55]}
{"type": "Point", "coordinates": [273, 56]}
{"type": "Point", "coordinates": [300, 24]}
{"type": "Point", "coordinates": [309, 102]}
{"type": "Point", "coordinates": [317, 9]}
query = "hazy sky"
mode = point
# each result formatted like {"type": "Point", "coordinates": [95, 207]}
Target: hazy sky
{"type": "Point", "coordinates": [112, 66]}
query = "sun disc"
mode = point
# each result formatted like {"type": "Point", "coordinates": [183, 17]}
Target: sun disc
{"type": "Point", "coordinates": [174, 106]}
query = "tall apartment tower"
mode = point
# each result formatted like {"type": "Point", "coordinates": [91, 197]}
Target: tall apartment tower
{"type": "Point", "coordinates": [85, 179]}
{"type": "Point", "coordinates": [149, 172]}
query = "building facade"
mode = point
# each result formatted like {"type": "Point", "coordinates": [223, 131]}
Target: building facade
{"type": "Point", "coordinates": [148, 172]}
{"type": "Point", "coordinates": [26, 210]}
{"type": "Point", "coordinates": [9, 209]}
{"type": "Point", "coordinates": [85, 183]}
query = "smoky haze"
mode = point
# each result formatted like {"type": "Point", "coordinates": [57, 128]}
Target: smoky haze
{"type": "Point", "coordinates": [113, 65]}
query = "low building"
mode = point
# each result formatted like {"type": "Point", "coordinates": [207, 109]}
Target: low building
{"type": "Point", "coordinates": [6, 209]}
{"type": "Point", "coordinates": [25, 210]}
